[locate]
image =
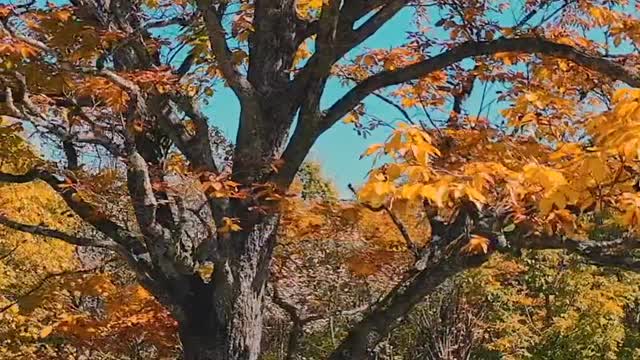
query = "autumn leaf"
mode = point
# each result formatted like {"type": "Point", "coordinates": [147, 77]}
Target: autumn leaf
{"type": "Point", "coordinates": [5, 10]}
{"type": "Point", "coordinates": [106, 91]}
{"type": "Point", "coordinates": [372, 150]}
{"type": "Point", "coordinates": [63, 15]}
{"type": "Point", "coordinates": [229, 225]}
{"type": "Point", "coordinates": [477, 245]}
{"type": "Point", "coordinates": [351, 118]}
{"type": "Point", "coordinates": [46, 331]}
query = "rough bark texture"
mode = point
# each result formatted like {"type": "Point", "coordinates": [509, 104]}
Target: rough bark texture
{"type": "Point", "coordinates": [222, 319]}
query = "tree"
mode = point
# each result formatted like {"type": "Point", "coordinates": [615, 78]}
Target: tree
{"type": "Point", "coordinates": [98, 83]}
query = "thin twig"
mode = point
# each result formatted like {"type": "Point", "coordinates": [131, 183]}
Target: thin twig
{"type": "Point", "coordinates": [10, 252]}
{"type": "Point", "coordinates": [48, 277]}
{"type": "Point", "coordinates": [411, 245]}
{"type": "Point", "coordinates": [404, 113]}
{"type": "Point", "coordinates": [426, 113]}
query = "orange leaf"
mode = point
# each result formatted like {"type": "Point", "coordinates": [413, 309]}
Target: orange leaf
{"type": "Point", "coordinates": [476, 245]}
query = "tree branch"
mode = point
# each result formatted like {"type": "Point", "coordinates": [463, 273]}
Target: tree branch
{"type": "Point", "coordinates": [196, 147]}
{"type": "Point", "coordinates": [10, 252]}
{"type": "Point", "coordinates": [298, 322]}
{"type": "Point", "coordinates": [344, 38]}
{"type": "Point", "coordinates": [388, 312]}
{"type": "Point", "coordinates": [396, 106]}
{"type": "Point", "coordinates": [86, 211]}
{"type": "Point", "coordinates": [297, 325]}
{"type": "Point", "coordinates": [411, 245]}
{"type": "Point", "coordinates": [472, 49]}
{"type": "Point", "coordinates": [373, 24]}
{"type": "Point", "coordinates": [217, 37]}
{"type": "Point", "coordinates": [56, 234]}
{"type": "Point", "coordinates": [440, 260]}
{"type": "Point", "coordinates": [43, 281]}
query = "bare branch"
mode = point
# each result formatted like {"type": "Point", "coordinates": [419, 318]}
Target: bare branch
{"type": "Point", "coordinates": [56, 234]}
{"type": "Point", "coordinates": [119, 80]}
{"type": "Point", "coordinates": [400, 109]}
{"type": "Point", "coordinates": [10, 252]}
{"type": "Point", "coordinates": [178, 20]}
{"type": "Point", "coordinates": [297, 327]}
{"type": "Point", "coordinates": [298, 322]}
{"type": "Point", "coordinates": [11, 104]}
{"type": "Point", "coordinates": [388, 312]}
{"type": "Point", "coordinates": [373, 24]}
{"type": "Point", "coordinates": [344, 38]}
{"type": "Point", "coordinates": [411, 245]}
{"type": "Point", "coordinates": [88, 212]}
{"type": "Point", "coordinates": [196, 147]}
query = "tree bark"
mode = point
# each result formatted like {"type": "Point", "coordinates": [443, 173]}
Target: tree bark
{"type": "Point", "coordinates": [391, 311]}
{"type": "Point", "coordinates": [196, 345]}
{"type": "Point", "coordinates": [222, 320]}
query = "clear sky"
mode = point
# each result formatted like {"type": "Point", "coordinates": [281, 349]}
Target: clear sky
{"type": "Point", "coordinates": [339, 148]}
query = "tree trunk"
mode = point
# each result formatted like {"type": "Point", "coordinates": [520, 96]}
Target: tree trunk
{"type": "Point", "coordinates": [212, 330]}
{"type": "Point", "coordinates": [222, 320]}
{"type": "Point", "coordinates": [197, 346]}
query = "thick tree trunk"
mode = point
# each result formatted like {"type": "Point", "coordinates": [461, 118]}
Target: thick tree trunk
{"type": "Point", "coordinates": [204, 338]}
{"type": "Point", "coordinates": [239, 339]}
{"type": "Point", "coordinates": [197, 346]}
{"type": "Point", "coordinates": [222, 320]}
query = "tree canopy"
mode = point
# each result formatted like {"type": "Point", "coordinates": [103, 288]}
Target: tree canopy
{"type": "Point", "coordinates": [108, 94]}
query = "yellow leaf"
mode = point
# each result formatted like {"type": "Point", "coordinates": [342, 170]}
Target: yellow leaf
{"type": "Point", "coordinates": [545, 205]}
{"type": "Point", "coordinates": [436, 194]}
{"type": "Point", "coordinates": [597, 168]}
{"type": "Point", "coordinates": [528, 118]}
{"type": "Point", "coordinates": [351, 118]}
{"type": "Point", "coordinates": [410, 192]}
{"type": "Point", "coordinates": [626, 93]}
{"type": "Point", "coordinates": [371, 149]}
{"type": "Point", "coordinates": [565, 150]}
{"type": "Point", "coordinates": [625, 109]}
{"type": "Point", "coordinates": [394, 171]}
{"type": "Point", "coordinates": [617, 40]}
{"type": "Point", "coordinates": [46, 331]}
{"type": "Point", "coordinates": [395, 143]}
{"type": "Point", "coordinates": [382, 187]}
{"type": "Point", "coordinates": [206, 270]}
{"type": "Point", "coordinates": [229, 225]}
{"type": "Point", "coordinates": [477, 245]}
{"type": "Point", "coordinates": [475, 196]}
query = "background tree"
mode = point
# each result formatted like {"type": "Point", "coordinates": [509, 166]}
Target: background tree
{"type": "Point", "coordinates": [100, 87]}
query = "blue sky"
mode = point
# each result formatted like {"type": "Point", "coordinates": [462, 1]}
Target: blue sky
{"type": "Point", "coordinates": [340, 147]}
